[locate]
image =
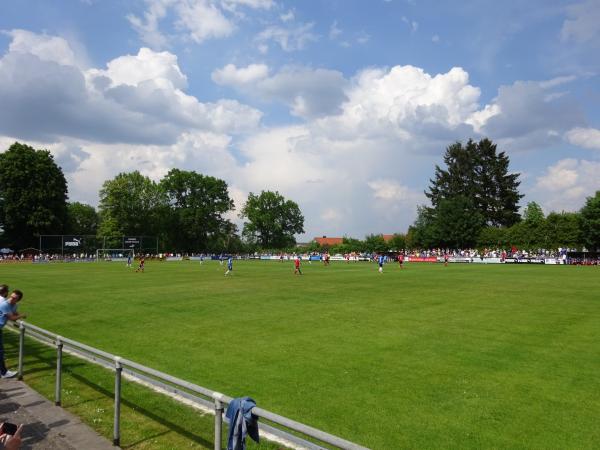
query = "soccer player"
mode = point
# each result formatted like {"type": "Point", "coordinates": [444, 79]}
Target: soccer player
{"type": "Point", "coordinates": [229, 265]}
{"type": "Point", "coordinates": [141, 266]}
{"type": "Point", "coordinates": [297, 270]}
{"type": "Point", "coordinates": [401, 259]}
{"type": "Point", "coordinates": [380, 261]}
{"type": "Point", "coordinates": [129, 261]}
{"type": "Point", "coordinates": [445, 259]}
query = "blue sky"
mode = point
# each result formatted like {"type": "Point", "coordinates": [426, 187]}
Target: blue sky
{"type": "Point", "coordinates": [344, 106]}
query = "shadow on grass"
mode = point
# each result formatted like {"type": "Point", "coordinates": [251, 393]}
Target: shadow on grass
{"type": "Point", "coordinates": [38, 355]}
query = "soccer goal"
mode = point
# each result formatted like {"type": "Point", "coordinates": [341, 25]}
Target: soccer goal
{"type": "Point", "coordinates": [114, 254]}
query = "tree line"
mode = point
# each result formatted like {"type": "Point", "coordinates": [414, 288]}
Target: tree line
{"type": "Point", "coordinates": [474, 203]}
{"type": "Point", "coordinates": [186, 210]}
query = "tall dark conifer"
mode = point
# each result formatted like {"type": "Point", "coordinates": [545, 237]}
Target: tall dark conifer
{"type": "Point", "coordinates": [478, 172]}
{"type": "Point", "coordinates": [496, 190]}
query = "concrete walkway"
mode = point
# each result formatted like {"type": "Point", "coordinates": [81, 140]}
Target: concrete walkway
{"type": "Point", "coordinates": [46, 427]}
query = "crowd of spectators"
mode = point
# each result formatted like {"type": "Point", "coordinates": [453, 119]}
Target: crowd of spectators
{"type": "Point", "coordinates": [564, 255]}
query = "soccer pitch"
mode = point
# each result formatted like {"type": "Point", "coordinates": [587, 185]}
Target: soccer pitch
{"type": "Point", "coordinates": [501, 356]}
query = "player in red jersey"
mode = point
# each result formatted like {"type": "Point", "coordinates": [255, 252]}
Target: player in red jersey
{"type": "Point", "coordinates": [141, 266]}
{"type": "Point", "coordinates": [401, 260]}
{"type": "Point", "coordinates": [297, 270]}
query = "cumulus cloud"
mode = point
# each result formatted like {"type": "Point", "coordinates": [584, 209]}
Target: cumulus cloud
{"type": "Point", "coordinates": [147, 65]}
{"type": "Point", "coordinates": [405, 101]}
{"type": "Point", "coordinates": [135, 99]}
{"type": "Point", "coordinates": [47, 48]}
{"type": "Point", "coordinates": [308, 92]}
{"type": "Point", "coordinates": [565, 185]}
{"type": "Point", "coordinates": [584, 137]}
{"type": "Point", "coordinates": [357, 163]}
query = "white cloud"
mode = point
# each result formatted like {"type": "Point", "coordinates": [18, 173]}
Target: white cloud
{"type": "Point", "coordinates": [356, 164]}
{"type": "Point", "coordinates": [136, 99]}
{"type": "Point", "coordinates": [148, 26]}
{"type": "Point", "coordinates": [202, 20]}
{"type": "Point", "coordinates": [147, 65]}
{"type": "Point", "coordinates": [289, 39]}
{"type": "Point", "coordinates": [392, 191]}
{"type": "Point", "coordinates": [584, 137]}
{"type": "Point", "coordinates": [47, 48]}
{"type": "Point", "coordinates": [230, 75]}
{"type": "Point", "coordinates": [435, 39]}
{"type": "Point", "coordinates": [583, 23]}
{"type": "Point", "coordinates": [565, 185]}
{"type": "Point", "coordinates": [195, 20]}
{"type": "Point", "coordinates": [405, 101]}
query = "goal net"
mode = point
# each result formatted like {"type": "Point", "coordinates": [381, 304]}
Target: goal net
{"type": "Point", "coordinates": [114, 254]}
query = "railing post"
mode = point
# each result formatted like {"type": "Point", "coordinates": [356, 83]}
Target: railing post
{"type": "Point", "coordinates": [58, 387]}
{"type": "Point", "coordinates": [21, 349]}
{"type": "Point", "coordinates": [117, 427]}
{"type": "Point", "coordinates": [218, 420]}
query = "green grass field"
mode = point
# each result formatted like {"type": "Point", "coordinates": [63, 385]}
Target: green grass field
{"type": "Point", "coordinates": [468, 356]}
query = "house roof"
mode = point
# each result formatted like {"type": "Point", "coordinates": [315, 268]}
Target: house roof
{"type": "Point", "coordinates": [322, 241]}
{"type": "Point", "coordinates": [329, 241]}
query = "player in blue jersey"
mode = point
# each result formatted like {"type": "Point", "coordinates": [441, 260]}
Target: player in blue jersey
{"type": "Point", "coordinates": [380, 261]}
{"type": "Point", "coordinates": [229, 265]}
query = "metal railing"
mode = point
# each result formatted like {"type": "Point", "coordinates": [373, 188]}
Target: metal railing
{"type": "Point", "coordinates": [175, 387]}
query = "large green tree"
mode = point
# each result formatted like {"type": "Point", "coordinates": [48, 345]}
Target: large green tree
{"type": "Point", "coordinates": [531, 232]}
{"type": "Point", "coordinates": [197, 204]}
{"type": "Point", "coordinates": [132, 204]}
{"type": "Point", "coordinates": [457, 223]}
{"type": "Point", "coordinates": [590, 222]}
{"type": "Point", "coordinates": [533, 214]}
{"type": "Point", "coordinates": [424, 232]}
{"type": "Point", "coordinates": [562, 230]}
{"type": "Point", "coordinates": [81, 219]}
{"type": "Point", "coordinates": [375, 243]}
{"type": "Point", "coordinates": [33, 195]}
{"type": "Point", "coordinates": [272, 221]}
{"type": "Point", "coordinates": [478, 172]}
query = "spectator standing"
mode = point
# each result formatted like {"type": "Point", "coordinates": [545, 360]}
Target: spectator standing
{"type": "Point", "coordinates": [8, 311]}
